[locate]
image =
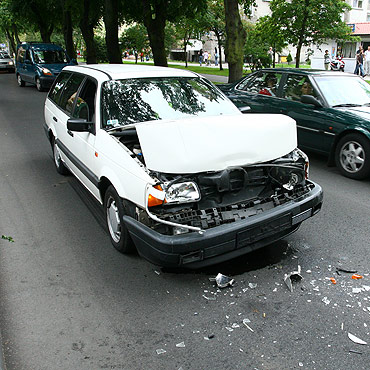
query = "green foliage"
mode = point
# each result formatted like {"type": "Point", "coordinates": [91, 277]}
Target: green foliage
{"type": "Point", "coordinates": [289, 58]}
{"type": "Point", "coordinates": [303, 22]}
{"type": "Point", "coordinates": [101, 50]}
{"type": "Point", "coordinates": [135, 38]}
{"type": "Point", "coordinates": [256, 46]}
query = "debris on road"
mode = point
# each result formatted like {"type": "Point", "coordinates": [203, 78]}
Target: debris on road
{"type": "Point", "coordinates": [252, 285]}
{"type": "Point", "coordinates": [224, 281]}
{"type": "Point", "coordinates": [246, 322]}
{"type": "Point", "coordinates": [8, 238]}
{"type": "Point", "coordinates": [356, 276]}
{"type": "Point", "coordinates": [353, 351]}
{"type": "Point", "coordinates": [326, 300]}
{"type": "Point", "coordinates": [293, 276]}
{"type": "Point", "coordinates": [160, 351]}
{"type": "Point", "coordinates": [356, 340]}
{"type": "Point", "coordinates": [157, 272]}
{"type": "Point", "coordinates": [209, 298]}
{"type": "Point", "coordinates": [180, 345]}
{"type": "Point", "coordinates": [348, 271]}
{"type": "Point", "coordinates": [333, 280]}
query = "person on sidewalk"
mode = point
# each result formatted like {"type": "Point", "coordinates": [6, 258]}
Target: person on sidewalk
{"type": "Point", "coordinates": [326, 60]}
{"type": "Point", "coordinates": [360, 62]}
{"type": "Point", "coordinates": [200, 57]}
{"type": "Point", "coordinates": [367, 61]}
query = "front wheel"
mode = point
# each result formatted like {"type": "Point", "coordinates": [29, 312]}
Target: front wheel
{"type": "Point", "coordinates": [114, 211]}
{"type": "Point", "coordinates": [39, 86]}
{"type": "Point", "coordinates": [352, 156]}
{"type": "Point", "coordinates": [21, 83]}
{"type": "Point", "coordinates": [59, 165]}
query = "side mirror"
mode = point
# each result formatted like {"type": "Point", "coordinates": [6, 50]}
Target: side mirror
{"type": "Point", "coordinates": [309, 99]}
{"type": "Point", "coordinates": [245, 109]}
{"type": "Point", "coordinates": [80, 125]}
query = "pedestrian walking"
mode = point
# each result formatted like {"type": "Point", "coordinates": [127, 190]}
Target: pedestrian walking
{"type": "Point", "coordinates": [326, 60]}
{"type": "Point", "coordinates": [216, 57]}
{"type": "Point", "coordinates": [367, 61]}
{"type": "Point", "coordinates": [205, 57]}
{"type": "Point", "coordinates": [200, 57]}
{"type": "Point", "coordinates": [360, 62]}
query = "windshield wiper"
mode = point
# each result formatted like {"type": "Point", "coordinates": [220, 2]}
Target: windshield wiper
{"type": "Point", "coordinates": [347, 105]}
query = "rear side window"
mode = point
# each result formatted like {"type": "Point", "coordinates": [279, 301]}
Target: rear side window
{"type": "Point", "coordinates": [69, 92]}
{"type": "Point", "coordinates": [56, 91]}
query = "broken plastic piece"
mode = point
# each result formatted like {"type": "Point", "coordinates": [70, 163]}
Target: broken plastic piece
{"type": "Point", "coordinates": [209, 298]}
{"type": "Point", "coordinates": [252, 285]}
{"type": "Point", "coordinates": [357, 276]}
{"type": "Point", "coordinates": [180, 345]}
{"type": "Point", "coordinates": [333, 280]}
{"type": "Point", "coordinates": [157, 272]}
{"type": "Point", "coordinates": [224, 281]}
{"type": "Point", "coordinates": [326, 300]}
{"type": "Point", "coordinates": [160, 351]}
{"type": "Point", "coordinates": [293, 276]}
{"type": "Point", "coordinates": [210, 336]}
{"type": "Point", "coordinates": [246, 322]}
{"type": "Point", "coordinates": [355, 339]}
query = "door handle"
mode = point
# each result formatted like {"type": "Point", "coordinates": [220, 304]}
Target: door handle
{"type": "Point", "coordinates": [70, 133]}
{"type": "Point", "coordinates": [55, 119]}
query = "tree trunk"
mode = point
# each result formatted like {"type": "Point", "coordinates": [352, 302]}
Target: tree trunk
{"type": "Point", "coordinates": [155, 27]}
{"type": "Point", "coordinates": [87, 30]}
{"type": "Point", "coordinates": [111, 31]}
{"type": "Point", "coordinates": [15, 34]}
{"type": "Point", "coordinates": [185, 53]}
{"type": "Point", "coordinates": [301, 34]}
{"type": "Point", "coordinates": [219, 47]}
{"type": "Point", "coordinates": [13, 47]}
{"type": "Point", "coordinates": [298, 55]}
{"type": "Point", "coordinates": [235, 40]}
{"type": "Point", "coordinates": [68, 34]}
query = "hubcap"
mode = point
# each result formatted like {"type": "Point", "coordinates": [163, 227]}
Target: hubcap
{"type": "Point", "coordinates": [38, 84]}
{"type": "Point", "coordinates": [19, 80]}
{"type": "Point", "coordinates": [113, 221]}
{"type": "Point", "coordinates": [57, 158]}
{"type": "Point", "coordinates": [352, 156]}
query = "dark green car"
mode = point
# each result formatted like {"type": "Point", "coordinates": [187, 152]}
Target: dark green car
{"type": "Point", "coordinates": [332, 111]}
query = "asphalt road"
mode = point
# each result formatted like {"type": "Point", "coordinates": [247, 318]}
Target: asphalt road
{"type": "Point", "coordinates": [68, 300]}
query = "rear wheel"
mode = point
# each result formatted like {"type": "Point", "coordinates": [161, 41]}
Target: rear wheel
{"type": "Point", "coordinates": [352, 156]}
{"type": "Point", "coordinates": [114, 211]}
{"type": "Point", "coordinates": [21, 83]}
{"type": "Point", "coordinates": [59, 165]}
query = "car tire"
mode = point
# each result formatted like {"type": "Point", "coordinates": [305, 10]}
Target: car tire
{"type": "Point", "coordinates": [39, 86]}
{"type": "Point", "coordinates": [21, 83]}
{"type": "Point", "coordinates": [352, 156]}
{"type": "Point", "coordinates": [59, 165]}
{"type": "Point", "coordinates": [114, 211]}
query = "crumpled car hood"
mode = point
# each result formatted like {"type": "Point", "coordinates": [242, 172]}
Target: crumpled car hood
{"type": "Point", "coordinates": [214, 143]}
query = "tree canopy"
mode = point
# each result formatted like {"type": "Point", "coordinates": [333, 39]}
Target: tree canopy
{"type": "Point", "coordinates": [303, 22]}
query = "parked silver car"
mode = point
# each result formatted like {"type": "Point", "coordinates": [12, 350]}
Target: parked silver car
{"type": "Point", "coordinates": [6, 63]}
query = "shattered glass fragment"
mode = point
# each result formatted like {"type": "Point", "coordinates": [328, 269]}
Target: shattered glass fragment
{"type": "Point", "coordinates": [292, 276]}
{"type": "Point", "coordinates": [224, 281]}
{"type": "Point", "coordinates": [356, 340]}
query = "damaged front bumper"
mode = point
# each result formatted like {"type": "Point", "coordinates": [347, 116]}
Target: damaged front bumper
{"type": "Point", "coordinates": [227, 241]}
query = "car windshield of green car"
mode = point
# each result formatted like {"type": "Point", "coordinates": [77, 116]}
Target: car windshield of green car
{"type": "Point", "coordinates": [136, 100]}
{"type": "Point", "coordinates": [344, 91]}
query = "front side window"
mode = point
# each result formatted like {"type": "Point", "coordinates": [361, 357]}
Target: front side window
{"type": "Point", "coordinates": [69, 93]}
{"type": "Point", "coordinates": [49, 56]}
{"type": "Point", "coordinates": [136, 100]}
{"type": "Point", "coordinates": [85, 104]}
{"type": "Point", "coordinates": [296, 86]}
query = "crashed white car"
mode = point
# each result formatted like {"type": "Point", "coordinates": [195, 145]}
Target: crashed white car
{"type": "Point", "coordinates": [183, 176]}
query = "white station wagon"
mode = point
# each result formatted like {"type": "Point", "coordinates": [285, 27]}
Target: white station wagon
{"type": "Point", "coordinates": [183, 176]}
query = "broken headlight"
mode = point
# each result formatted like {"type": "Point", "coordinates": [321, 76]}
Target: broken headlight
{"type": "Point", "coordinates": [184, 192]}
{"type": "Point", "coordinates": [167, 193]}
{"type": "Point", "coordinates": [298, 155]}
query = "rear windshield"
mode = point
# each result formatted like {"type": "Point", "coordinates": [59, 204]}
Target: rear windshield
{"type": "Point", "coordinates": [138, 100]}
{"type": "Point", "coordinates": [49, 56]}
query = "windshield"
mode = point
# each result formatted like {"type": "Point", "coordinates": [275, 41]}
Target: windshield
{"type": "Point", "coordinates": [49, 56]}
{"type": "Point", "coordinates": [344, 90]}
{"type": "Point", "coordinates": [145, 99]}
{"type": "Point", "coordinates": [4, 55]}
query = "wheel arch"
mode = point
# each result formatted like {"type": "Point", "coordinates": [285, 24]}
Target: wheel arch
{"type": "Point", "coordinates": [356, 130]}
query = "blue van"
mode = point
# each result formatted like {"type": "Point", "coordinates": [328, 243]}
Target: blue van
{"type": "Point", "coordinates": [40, 63]}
